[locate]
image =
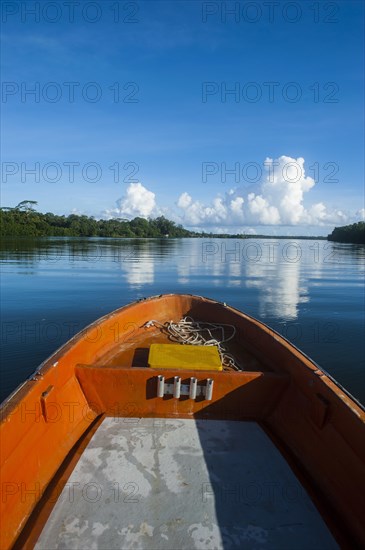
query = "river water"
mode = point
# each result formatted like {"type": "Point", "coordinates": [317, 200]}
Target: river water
{"type": "Point", "coordinates": [310, 291]}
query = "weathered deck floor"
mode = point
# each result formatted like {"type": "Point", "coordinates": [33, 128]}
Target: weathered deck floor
{"type": "Point", "coordinates": [183, 484]}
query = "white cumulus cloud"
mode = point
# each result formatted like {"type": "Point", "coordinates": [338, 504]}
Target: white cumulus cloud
{"type": "Point", "coordinates": [137, 201]}
{"type": "Point", "coordinates": [361, 214]}
{"type": "Point", "coordinates": [184, 200]}
{"type": "Point", "coordinates": [278, 200]}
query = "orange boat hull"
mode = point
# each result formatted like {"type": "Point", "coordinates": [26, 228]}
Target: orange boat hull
{"type": "Point", "coordinates": [102, 372]}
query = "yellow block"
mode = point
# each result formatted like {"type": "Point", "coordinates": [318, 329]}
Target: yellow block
{"type": "Point", "coordinates": [176, 356]}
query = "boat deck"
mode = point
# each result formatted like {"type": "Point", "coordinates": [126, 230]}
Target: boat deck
{"type": "Point", "coordinates": [132, 351]}
{"type": "Point", "coordinates": [182, 484]}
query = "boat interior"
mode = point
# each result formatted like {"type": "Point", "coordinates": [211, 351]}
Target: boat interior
{"type": "Point", "coordinates": [102, 451]}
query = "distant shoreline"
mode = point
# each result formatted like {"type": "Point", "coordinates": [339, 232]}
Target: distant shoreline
{"type": "Point", "coordinates": [24, 221]}
{"type": "Point", "coordinates": [205, 236]}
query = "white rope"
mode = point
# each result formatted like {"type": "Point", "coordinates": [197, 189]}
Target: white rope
{"type": "Point", "coordinates": [188, 331]}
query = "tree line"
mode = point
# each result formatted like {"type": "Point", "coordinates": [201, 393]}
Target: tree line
{"type": "Point", "coordinates": [24, 221]}
{"type": "Point", "coordinates": [354, 233]}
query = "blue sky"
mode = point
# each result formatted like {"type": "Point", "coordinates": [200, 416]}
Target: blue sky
{"type": "Point", "coordinates": [158, 72]}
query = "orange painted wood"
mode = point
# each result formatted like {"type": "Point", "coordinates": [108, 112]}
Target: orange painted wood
{"type": "Point", "coordinates": [133, 392]}
{"type": "Point", "coordinates": [101, 370]}
{"type": "Point", "coordinates": [32, 448]}
{"type": "Point", "coordinates": [332, 452]}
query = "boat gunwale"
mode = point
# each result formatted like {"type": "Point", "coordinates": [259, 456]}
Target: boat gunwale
{"type": "Point", "coordinates": [302, 364]}
{"type": "Point", "coordinates": [306, 361]}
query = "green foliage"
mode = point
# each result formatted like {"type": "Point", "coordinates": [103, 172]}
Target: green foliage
{"type": "Point", "coordinates": [26, 205]}
{"type": "Point", "coordinates": [354, 233]}
{"type": "Point", "coordinates": [26, 222]}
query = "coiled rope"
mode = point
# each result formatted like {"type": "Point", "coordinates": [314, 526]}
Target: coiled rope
{"type": "Point", "coordinates": [197, 333]}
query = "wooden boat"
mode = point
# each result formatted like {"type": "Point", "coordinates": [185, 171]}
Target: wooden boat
{"type": "Point", "coordinates": [101, 450]}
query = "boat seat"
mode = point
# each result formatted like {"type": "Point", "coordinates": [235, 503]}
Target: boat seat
{"type": "Point", "coordinates": [240, 395]}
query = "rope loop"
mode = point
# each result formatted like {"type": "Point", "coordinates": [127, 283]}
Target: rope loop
{"type": "Point", "coordinates": [199, 333]}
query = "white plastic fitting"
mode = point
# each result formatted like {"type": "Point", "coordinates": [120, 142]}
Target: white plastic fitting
{"type": "Point", "coordinates": [193, 387]}
{"type": "Point", "coordinates": [160, 385]}
{"type": "Point", "coordinates": [177, 386]}
{"type": "Point", "coordinates": [209, 389]}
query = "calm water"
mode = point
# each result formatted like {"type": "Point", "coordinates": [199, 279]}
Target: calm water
{"type": "Point", "coordinates": [310, 291]}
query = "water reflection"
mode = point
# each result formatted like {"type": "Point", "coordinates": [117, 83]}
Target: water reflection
{"type": "Point", "coordinates": [278, 271]}
{"type": "Point", "coordinates": [273, 271]}
{"type": "Point", "coordinates": [280, 288]}
{"type": "Point", "coordinates": [139, 272]}
{"type": "Point", "coordinates": [313, 285]}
